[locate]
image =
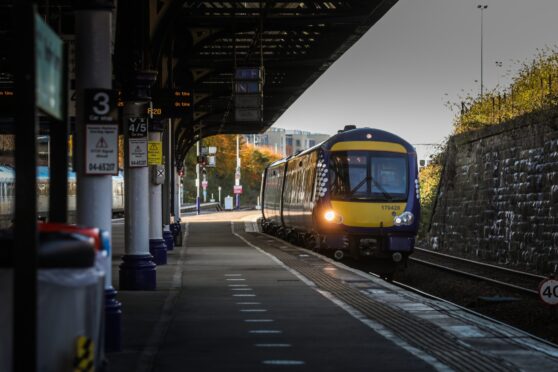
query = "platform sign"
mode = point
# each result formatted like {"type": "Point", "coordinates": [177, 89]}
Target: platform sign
{"type": "Point", "coordinates": [170, 103]}
{"type": "Point", "coordinates": [210, 161]}
{"type": "Point", "coordinates": [154, 153]}
{"type": "Point", "coordinates": [101, 149]}
{"type": "Point", "coordinates": [248, 114]}
{"type": "Point", "coordinates": [548, 291]}
{"type": "Point", "coordinates": [100, 106]}
{"type": "Point", "coordinates": [245, 86]}
{"type": "Point", "coordinates": [137, 127]}
{"type": "Point", "coordinates": [237, 189]}
{"type": "Point", "coordinates": [248, 100]}
{"type": "Point", "coordinates": [48, 80]}
{"type": "Point", "coordinates": [248, 73]}
{"type": "Point", "coordinates": [137, 152]}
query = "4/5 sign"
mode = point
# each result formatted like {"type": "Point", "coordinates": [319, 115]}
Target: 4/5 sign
{"type": "Point", "coordinates": [137, 127]}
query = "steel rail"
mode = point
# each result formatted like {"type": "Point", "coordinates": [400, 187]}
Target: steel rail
{"type": "Point", "coordinates": [475, 276]}
{"type": "Point", "coordinates": [504, 269]}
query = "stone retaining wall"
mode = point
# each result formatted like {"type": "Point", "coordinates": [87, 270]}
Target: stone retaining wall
{"type": "Point", "coordinates": [498, 196]}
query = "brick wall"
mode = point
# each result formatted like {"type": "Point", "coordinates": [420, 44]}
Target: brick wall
{"type": "Point", "coordinates": [498, 196]}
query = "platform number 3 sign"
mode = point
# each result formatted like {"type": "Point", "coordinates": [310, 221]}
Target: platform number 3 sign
{"type": "Point", "coordinates": [100, 106]}
{"type": "Point", "coordinates": [548, 291]}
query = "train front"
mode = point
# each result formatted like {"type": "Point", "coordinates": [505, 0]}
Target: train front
{"type": "Point", "coordinates": [370, 204]}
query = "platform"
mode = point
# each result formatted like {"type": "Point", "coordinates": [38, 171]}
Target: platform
{"type": "Point", "coordinates": [234, 299]}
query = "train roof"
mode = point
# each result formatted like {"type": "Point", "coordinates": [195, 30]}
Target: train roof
{"type": "Point", "coordinates": [361, 134]}
{"type": "Point", "coordinates": [357, 134]}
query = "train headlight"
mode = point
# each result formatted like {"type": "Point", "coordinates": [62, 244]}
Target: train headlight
{"type": "Point", "coordinates": [331, 216]}
{"type": "Point", "coordinates": [404, 219]}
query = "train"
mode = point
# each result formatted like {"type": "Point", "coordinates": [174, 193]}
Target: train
{"type": "Point", "coordinates": [354, 195]}
{"type": "Point", "coordinates": [7, 192]}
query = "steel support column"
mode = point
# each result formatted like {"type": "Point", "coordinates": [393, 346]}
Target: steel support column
{"type": "Point", "coordinates": [157, 246]}
{"type": "Point", "coordinates": [137, 271]}
{"type": "Point", "coordinates": [25, 263]}
{"type": "Point", "coordinates": [93, 24]}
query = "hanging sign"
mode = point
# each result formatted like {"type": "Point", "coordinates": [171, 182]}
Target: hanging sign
{"type": "Point", "coordinates": [48, 79]}
{"type": "Point", "coordinates": [155, 153]}
{"type": "Point", "coordinates": [101, 149]}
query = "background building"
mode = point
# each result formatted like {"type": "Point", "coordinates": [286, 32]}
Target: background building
{"type": "Point", "coordinates": [286, 142]}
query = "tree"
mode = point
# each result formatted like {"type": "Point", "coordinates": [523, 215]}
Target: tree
{"type": "Point", "coordinates": [253, 161]}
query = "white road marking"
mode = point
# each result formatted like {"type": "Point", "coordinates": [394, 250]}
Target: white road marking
{"type": "Point", "coordinates": [272, 345]}
{"type": "Point", "coordinates": [349, 309]}
{"type": "Point", "coordinates": [248, 303]}
{"type": "Point", "coordinates": [244, 295]}
{"type": "Point", "coordinates": [282, 362]}
{"type": "Point", "coordinates": [238, 285]}
{"type": "Point", "coordinates": [235, 279]}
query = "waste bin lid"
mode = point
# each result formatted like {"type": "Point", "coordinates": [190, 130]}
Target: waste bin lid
{"type": "Point", "coordinates": [56, 250]}
{"type": "Point", "coordinates": [65, 250]}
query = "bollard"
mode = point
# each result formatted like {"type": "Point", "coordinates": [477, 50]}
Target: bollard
{"type": "Point", "coordinates": [168, 238]}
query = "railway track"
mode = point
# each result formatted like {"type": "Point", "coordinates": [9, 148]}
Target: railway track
{"type": "Point", "coordinates": [518, 281]}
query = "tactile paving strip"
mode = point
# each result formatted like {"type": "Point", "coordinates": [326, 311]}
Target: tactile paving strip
{"type": "Point", "coordinates": [415, 331]}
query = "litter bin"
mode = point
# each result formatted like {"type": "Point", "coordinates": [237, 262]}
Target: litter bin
{"type": "Point", "coordinates": [70, 302]}
{"type": "Point", "coordinates": [228, 203]}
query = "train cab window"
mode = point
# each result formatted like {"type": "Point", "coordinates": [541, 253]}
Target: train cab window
{"type": "Point", "coordinates": [368, 175]}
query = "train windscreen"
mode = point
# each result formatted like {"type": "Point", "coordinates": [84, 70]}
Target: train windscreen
{"type": "Point", "coordinates": [368, 175]}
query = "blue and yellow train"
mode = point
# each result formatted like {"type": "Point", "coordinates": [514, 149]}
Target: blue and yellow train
{"type": "Point", "coordinates": [355, 194]}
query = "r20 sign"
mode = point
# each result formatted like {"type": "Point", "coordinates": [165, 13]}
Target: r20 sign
{"type": "Point", "coordinates": [548, 291]}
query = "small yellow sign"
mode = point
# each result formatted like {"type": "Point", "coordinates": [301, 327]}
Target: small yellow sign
{"type": "Point", "coordinates": [155, 153]}
{"type": "Point", "coordinates": [84, 359]}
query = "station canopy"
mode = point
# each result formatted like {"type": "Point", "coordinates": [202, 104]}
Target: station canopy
{"type": "Point", "coordinates": [196, 46]}
{"type": "Point", "coordinates": [295, 42]}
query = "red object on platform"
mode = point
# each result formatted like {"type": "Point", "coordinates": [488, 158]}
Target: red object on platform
{"type": "Point", "coordinates": [92, 232]}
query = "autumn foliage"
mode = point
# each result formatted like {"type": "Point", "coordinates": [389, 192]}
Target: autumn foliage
{"type": "Point", "coordinates": [253, 160]}
{"type": "Point", "coordinates": [533, 89]}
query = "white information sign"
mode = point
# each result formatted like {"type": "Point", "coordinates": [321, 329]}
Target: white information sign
{"type": "Point", "coordinates": [101, 149]}
{"type": "Point", "coordinates": [548, 291]}
{"type": "Point", "coordinates": [137, 152]}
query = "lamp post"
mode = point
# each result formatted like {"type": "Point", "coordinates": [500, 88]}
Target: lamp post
{"type": "Point", "coordinates": [499, 64]}
{"type": "Point", "coordinates": [482, 8]}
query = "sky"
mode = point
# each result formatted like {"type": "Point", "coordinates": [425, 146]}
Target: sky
{"type": "Point", "coordinates": [420, 55]}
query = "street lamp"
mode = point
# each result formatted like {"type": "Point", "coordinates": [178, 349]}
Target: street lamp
{"type": "Point", "coordinates": [482, 8]}
{"type": "Point", "coordinates": [499, 64]}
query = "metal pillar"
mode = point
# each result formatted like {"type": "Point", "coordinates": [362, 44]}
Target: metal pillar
{"type": "Point", "coordinates": [24, 331]}
{"type": "Point", "coordinates": [94, 193]}
{"type": "Point", "coordinates": [198, 178]}
{"type": "Point", "coordinates": [167, 185]}
{"type": "Point", "coordinates": [137, 271]}
{"type": "Point", "coordinates": [157, 246]}
{"type": "Point", "coordinates": [237, 173]}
